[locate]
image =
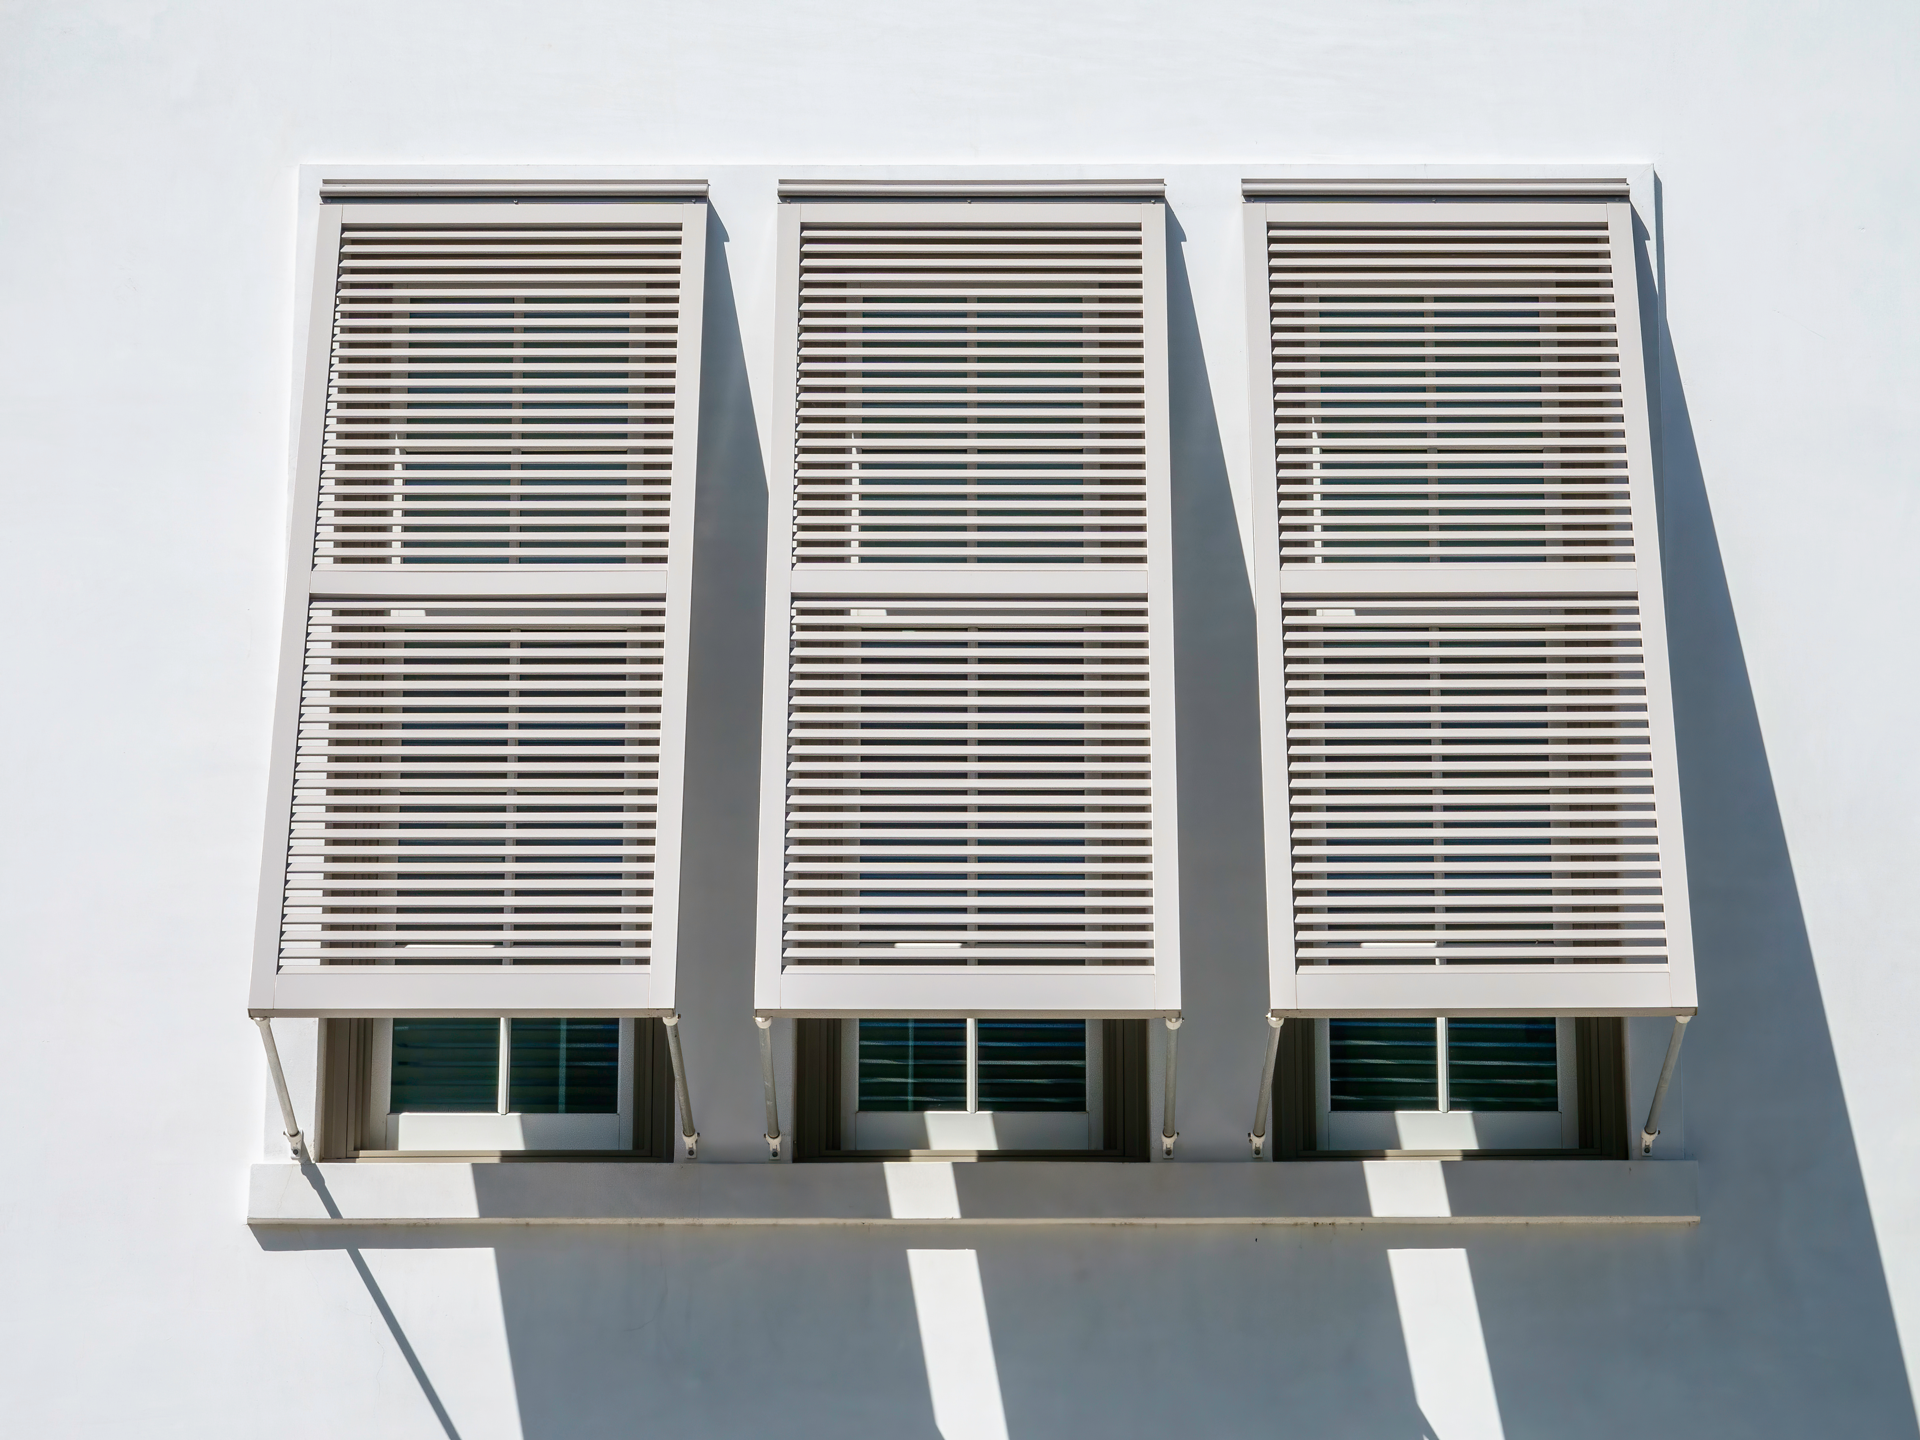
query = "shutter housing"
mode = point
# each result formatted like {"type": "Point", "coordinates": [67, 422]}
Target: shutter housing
{"type": "Point", "coordinates": [968, 795]}
{"type": "Point", "coordinates": [1467, 733]}
{"type": "Point", "coordinates": [475, 796]}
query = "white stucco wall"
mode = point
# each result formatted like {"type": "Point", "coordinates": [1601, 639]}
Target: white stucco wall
{"type": "Point", "coordinates": [149, 231]}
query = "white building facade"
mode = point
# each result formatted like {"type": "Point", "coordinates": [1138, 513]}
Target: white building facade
{"type": "Point", "coordinates": [992, 725]}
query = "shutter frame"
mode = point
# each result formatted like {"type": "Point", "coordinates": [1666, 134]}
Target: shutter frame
{"type": "Point", "coordinates": [1016, 990]}
{"type": "Point", "coordinates": [1467, 989]}
{"type": "Point", "coordinates": [378, 991]}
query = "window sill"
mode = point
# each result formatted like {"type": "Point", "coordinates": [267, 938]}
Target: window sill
{"type": "Point", "coordinates": [1332, 1192]}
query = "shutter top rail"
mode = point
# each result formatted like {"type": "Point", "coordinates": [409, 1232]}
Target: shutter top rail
{"type": "Point", "coordinates": [973, 189]}
{"type": "Point", "coordinates": [1614, 187]}
{"type": "Point", "coordinates": [505, 189]}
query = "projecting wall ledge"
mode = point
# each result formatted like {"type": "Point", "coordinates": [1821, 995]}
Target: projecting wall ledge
{"type": "Point", "coordinates": [1480, 1192]}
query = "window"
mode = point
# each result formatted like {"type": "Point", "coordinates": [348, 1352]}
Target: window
{"type": "Point", "coordinates": [973, 1084]}
{"type": "Point", "coordinates": [969, 782]}
{"type": "Point", "coordinates": [969, 803]}
{"type": "Point", "coordinates": [1467, 732]}
{"type": "Point", "coordinates": [475, 811]}
{"type": "Point", "coordinates": [873, 1088]}
{"type": "Point", "coordinates": [504, 1084]}
{"type": "Point", "coordinates": [1470, 1083]}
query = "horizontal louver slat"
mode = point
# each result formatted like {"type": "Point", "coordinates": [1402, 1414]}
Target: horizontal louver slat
{"type": "Point", "coordinates": [968, 782]}
{"type": "Point", "coordinates": [501, 393]}
{"type": "Point", "coordinates": [1447, 391]}
{"type": "Point", "coordinates": [971, 393]}
{"type": "Point", "coordinates": [1471, 779]}
{"type": "Point", "coordinates": [476, 780]}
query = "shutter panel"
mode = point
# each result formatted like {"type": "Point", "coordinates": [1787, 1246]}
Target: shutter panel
{"type": "Point", "coordinates": [968, 797]}
{"type": "Point", "coordinates": [478, 753]}
{"type": "Point", "coordinates": [1467, 726]}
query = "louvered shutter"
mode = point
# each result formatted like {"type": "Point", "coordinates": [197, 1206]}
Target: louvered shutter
{"type": "Point", "coordinates": [475, 798]}
{"type": "Point", "coordinates": [1467, 728]}
{"type": "Point", "coordinates": [968, 804]}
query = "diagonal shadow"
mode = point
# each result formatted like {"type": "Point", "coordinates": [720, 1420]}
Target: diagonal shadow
{"type": "Point", "coordinates": [314, 1178]}
{"type": "Point", "coordinates": [1763, 1075]}
{"type": "Point", "coordinates": [1776, 1311]}
{"type": "Point", "coordinates": [1223, 918]}
{"type": "Point", "coordinates": [719, 855]}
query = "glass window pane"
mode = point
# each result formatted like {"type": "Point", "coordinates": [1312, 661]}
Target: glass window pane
{"type": "Point", "coordinates": [564, 1067]}
{"type": "Point", "coordinates": [913, 1064]}
{"type": "Point", "coordinates": [445, 1065]}
{"type": "Point", "coordinates": [1383, 1065]}
{"type": "Point", "coordinates": [1033, 1065]}
{"type": "Point", "coordinates": [1502, 1065]}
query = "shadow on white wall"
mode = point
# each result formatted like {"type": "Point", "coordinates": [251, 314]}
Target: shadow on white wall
{"type": "Point", "coordinates": [1446, 1350]}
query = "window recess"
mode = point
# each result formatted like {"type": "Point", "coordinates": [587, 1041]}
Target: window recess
{"type": "Point", "coordinates": [1467, 729]}
{"type": "Point", "coordinates": [969, 796]}
{"type": "Point", "coordinates": [1472, 1087]}
{"type": "Point", "coordinates": [498, 1088]}
{"type": "Point", "coordinates": [475, 797]}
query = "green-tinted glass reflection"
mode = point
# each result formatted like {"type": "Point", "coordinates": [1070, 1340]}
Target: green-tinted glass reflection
{"type": "Point", "coordinates": [445, 1065]}
{"type": "Point", "coordinates": [1383, 1065]}
{"type": "Point", "coordinates": [1503, 1064]}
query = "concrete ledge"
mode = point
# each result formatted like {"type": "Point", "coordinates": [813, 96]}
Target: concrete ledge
{"type": "Point", "coordinates": [1479, 1192]}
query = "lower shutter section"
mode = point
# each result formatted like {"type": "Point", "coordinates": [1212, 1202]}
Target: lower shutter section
{"type": "Point", "coordinates": [476, 781]}
{"type": "Point", "coordinates": [1471, 780]}
{"type": "Point", "coordinates": [969, 783]}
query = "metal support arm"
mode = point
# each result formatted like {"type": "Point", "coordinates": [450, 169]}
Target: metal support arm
{"type": "Point", "coordinates": [1651, 1129]}
{"type": "Point", "coordinates": [1257, 1137]}
{"type": "Point", "coordinates": [292, 1128]}
{"type": "Point", "coordinates": [688, 1135]}
{"type": "Point", "coordinates": [766, 1083]}
{"type": "Point", "coordinates": [1168, 1132]}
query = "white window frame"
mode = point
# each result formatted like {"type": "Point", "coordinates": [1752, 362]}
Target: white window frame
{"type": "Point", "coordinates": [972, 1128]}
{"type": "Point", "coordinates": [561, 990]}
{"type": "Point", "coordinates": [1560, 990]}
{"type": "Point", "coordinates": [1446, 1128]}
{"type": "Point", "coordinates": [501, 1128]}
{"type": "Point", "coordinates": [1000, 991]}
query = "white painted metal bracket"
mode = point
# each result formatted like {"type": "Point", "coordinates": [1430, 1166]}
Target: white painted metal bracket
{"type": "Point", "coordinates": [766, 1082]}
{"type": "Point", "coordinates": [1168, 1131]}
{"type": "Point", "coordinates": [294, 1138]}
{"type": "Point", "coordinates": [688, 1135]}
{"type": "Point", "coordinates": [1651, 1130]}
{"type": "Point", "coordinates": [1257, 1137]}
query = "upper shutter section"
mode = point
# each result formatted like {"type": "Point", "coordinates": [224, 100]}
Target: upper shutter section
{"type": "Point", "coordinates": [971, 391]}
{"type": "Point", "coordinates": [502, 391]}
{"type": "Point", "coordinates": [1447, 385]}
{"type": "Point", "coordinates": [968, 776]}
{"type": "Point", "coordinates": [480, 739]}
{"type": "Point", "coordinates": [1467, 731]}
